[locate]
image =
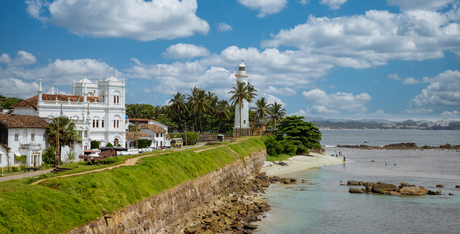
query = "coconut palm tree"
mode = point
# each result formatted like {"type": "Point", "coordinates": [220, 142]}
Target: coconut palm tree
{"type": "Point", "coordinates": [65, 129]}
{"type": "Point", "coordinates": [222, 112]}
{"type": "Point", "coordinates": [200, 105]}
{"type": "Point", "coordinates": [277, 114]}
{"type": "Point", "coordinates": [262, 110]}
{"type": "Point", "coordinates": [177, 104]}
{"type": "Point", "coordinates": [239, 94]}
{"type": "Point", "coordinates": [191, 99]}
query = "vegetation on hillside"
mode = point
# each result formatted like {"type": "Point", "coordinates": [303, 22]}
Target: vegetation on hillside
{"type": "Point", "coordinates": [58, 205]}
{"type": "Point", "coordinates": [7, 102]}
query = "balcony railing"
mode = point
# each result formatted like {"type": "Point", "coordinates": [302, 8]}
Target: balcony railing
{"type": "Point", "coordinates": [31, 146]}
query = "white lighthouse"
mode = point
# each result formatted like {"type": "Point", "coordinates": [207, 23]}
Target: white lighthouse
{"type": "Point", "coordinates": [242, 119]}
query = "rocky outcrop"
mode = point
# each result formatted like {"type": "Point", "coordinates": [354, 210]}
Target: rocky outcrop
{"type": "Point", "coordinates": [440, 185]}
{"type": "Point", "coordinates": [356, 190]}
{"type": "Point", "coordinates": [417, 190]}
{"type": "Point", "coordinates": [390, 189]}
{"type": "Point", "coordinates": [383, 188]}
{"type": "Point", "coordinates": [400, 146]}
{"type": "Point", "coordinates": [457, 186]}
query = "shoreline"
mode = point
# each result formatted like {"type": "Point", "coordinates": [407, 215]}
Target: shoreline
{"type": "Point", "coordinates": [300, 163]}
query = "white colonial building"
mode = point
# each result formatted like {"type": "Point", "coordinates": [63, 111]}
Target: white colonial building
{"type": "Point", "coordinates": [152, 130]}
{"type": "Point", "coordinates": [22, 135]}
{"type": "Point", "coordinates": [97, 109]}
{"type": "Point", "coordinates": [242, 127]}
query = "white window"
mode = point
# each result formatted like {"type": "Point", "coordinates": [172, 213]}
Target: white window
{"type": "Point", "coordinates": [86, 133]}
{"type": "Point", "coordinates": [102, 123]}
{"type": "Point", "coordinates": [94, 123]}
{"type": "Point", "coordinates": [118, 123]}
{"type": "Point", "coordinates": [32, 137]}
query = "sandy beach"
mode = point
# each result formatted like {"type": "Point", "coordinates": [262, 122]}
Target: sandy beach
{"type": "Point", "coordinates": [300, 163]}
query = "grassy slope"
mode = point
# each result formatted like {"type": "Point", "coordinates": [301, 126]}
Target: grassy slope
{"type": "Point", "coordinates": [60, 204]}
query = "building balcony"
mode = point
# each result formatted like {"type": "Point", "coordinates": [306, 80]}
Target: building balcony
{"type": "Point", "coordinates": [31, 146]}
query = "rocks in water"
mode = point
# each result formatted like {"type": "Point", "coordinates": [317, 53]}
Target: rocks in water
{"type": "Point", "coordinates": [439, 192]}
{"type": "Point", "coordinates": [457, 186]}
{"type": "Point", "coordinates": [440, 185]}
{"type": "Point", "coordinates": [356, 190]}
{"type": "Point", "coordinates": [305, 181]}
{"type": "Point", "coordinates": [286, 180]}
{"type": "Point", "coordinates": [404, 184]}
{"type": "Point", "coordinates": [353, 183]}
{"type": "Point", "coordinates": [383, 188]}
{"type": "Point", "coordinates": [400, 146]}
{"type": "Point", "coordinates": [417, 190]}
{"type": "Point", "coordinates": [393, 193]}
{"type": "Point", "coordinates": [372, 160]}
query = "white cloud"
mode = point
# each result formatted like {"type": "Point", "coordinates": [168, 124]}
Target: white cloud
{"type": "Point", "coordinates": [299, 113]}
{"type": "Point", "coordinates": [266, 7]}
{"type": "Point", "coordinates": [185, 51]}
{"type": "Point", "coordinates": [304, 2]}
{"type": "Point", "coordinates": [62, 72]}
{"type": "Point", "coordinates": [421, 4]}
{"type": "Point", "coordinates": [442, 91]}
{"type": "Point", "coordinates": [272, 99]}
{"type": "Point", "coordinates": [332, 86]}
{"type": "Point", "coordinates": [332, 103]}
{"type": "Point", "coordinates": [11, 87]}
{"type": "Point", "coordinates": [140, 20]}
{"type": "Point", "coordinates": [282, 91]}
{"type": "Point", "coordinates": [333, 4]}
{"type": "Point", "coordinates": [394, 76]}
{"type": "Point", "coordinates": [322, 110]}
{"type": "Point", "coordinates": [410, 80]}
{"type": "Point", "coordinates": [363, 41]}
{"type": "Point", "coordinates": [222, 27]}
{"type": "Point", "coordinates": [453, 113]}
{"type": "Point", "coordinates": [418, 111]}
{"type": "Point", "coordinates": [22, 58]}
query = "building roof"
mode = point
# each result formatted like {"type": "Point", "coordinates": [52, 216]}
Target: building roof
{"type": "Point", "coordinates": [23, 121]}
{"type": "Point", "coordinates": [139, 120]}
{"type": "Point", "coordinates": [85, 81]}
{"type": "Point", "coordinates": [132, 135]}
{"type": "Point", "coordinates": [111, 78]}
{"type": "Point", "coordinates": [153, 127]}
{"type": "Point", "coordinates": [52, 97]}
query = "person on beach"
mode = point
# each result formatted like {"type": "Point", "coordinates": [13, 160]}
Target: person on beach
{"type": "Point", "coordinates": [344, 158]}
{"type": "Point", "coordinates": [385, 161]}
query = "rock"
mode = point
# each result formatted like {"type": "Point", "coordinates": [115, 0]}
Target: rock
{"type": "Point", "coordinates": [208, 232]}
{"type": "Point", "coordinates": [431, 192]}
{"type": "Point", "coordinates": [355, 190]}
{"type": "Point", "coordinates": [368, 183]}
{"type": "Point", "coordinates": [393, 193]}
{"type": "Point", "coordinates": [383, 188]}
{"type": "Point", "coordinates": [305, 181]}
{"type": "Point", "coordinates": [190, 230]}
{"type": "Point", "coordinates": [293, 180]}
{"type": "Point", "coordinates": [372, 160]}
{"type": "Point", "coordinates": [450, 194]}
{"type": "Point", "coordinates": [286, 180]}
{"type": "Point", "coordinates": [439, 192]}
{"type": "Point", "coordinates": [404, 184]}
{"type": "Point", "coordinates": [353, 183]}
{"type": "Point", "coordinates": [249, 226]}
{"type": "Point", "coordinates": [418, 190]}
{"type": "Point", "coordinates": [457, 186]}
{"type": "Point", "coordinates": [440, 185]}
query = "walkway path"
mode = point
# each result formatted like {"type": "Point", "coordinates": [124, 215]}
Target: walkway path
{"type": "Point", "coordinates": [129, 162]}
{"type": "Point", "coordinates": [25, 175]}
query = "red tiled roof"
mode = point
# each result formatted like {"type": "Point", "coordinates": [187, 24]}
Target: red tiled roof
{"type": "Point", "coordinates": [23, 121]}
{"type": "Point", "coordinates": [139, 120]}
{"type": "Point", "coordinates": [153, 127]}
{"type": "Point", "coordinates": [131, 134]}
{"type": "Point", "coordinates": [52, 97]}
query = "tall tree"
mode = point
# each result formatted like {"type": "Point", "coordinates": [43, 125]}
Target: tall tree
{"type": "Point", "coordinates": [277, 113]}
{"type": "Point", "coordinates": [67, 132]}
{"type": "Point", "coordinates": [262, 110]}
{"type": "Point", "coordinates": [222, 112]}
{"type": "Point", "coordinates": [177, 104]}
{"type": "Point", "coordinates": [239, 95]}
{"type": "Point", "coordinates": [304, 135]}
{"type": "Point", "coordinates": [201, 105]}
{"type": "Point", "coordinates": [191, 99]}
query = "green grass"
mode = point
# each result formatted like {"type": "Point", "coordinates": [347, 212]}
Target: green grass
{"type": "Point", "coordinates": [60, 204]}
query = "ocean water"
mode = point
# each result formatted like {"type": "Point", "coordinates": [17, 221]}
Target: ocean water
{"type": "Point", "coordinates": [325, 206]}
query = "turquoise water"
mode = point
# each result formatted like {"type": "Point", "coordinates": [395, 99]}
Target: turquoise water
{"type": "Point", "coordinates": [324, 206]}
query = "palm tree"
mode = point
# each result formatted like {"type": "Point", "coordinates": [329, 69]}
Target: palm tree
{"type": "Point", "coordinates": [222, 112]}
{"type": "Point", "coordinates": [191, 99]}
{"type": "Point", "coordinates": [239, 94]}
{"type": "Point", "coordinates": [177, 103]}
{"type": "Point", "coordinates": [262, 110]}
{"type": "Point", "coordinates": [277, 113]}
{"type": "Point", "coordinates": [200, 105]}
{"type": "Point", "coordinates": [251, 92]}
{"type": "Point", "coordinates": [65, 129]}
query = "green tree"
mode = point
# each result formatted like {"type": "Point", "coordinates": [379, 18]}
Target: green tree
{"type": "Point", "coordinates": [94, 144]}
{"type": "Point", "coordinates": [48, 155]}
{"type": "Point", "coordinates": [200, 105]}
{"type": "Point", "coordinates": [304, 135]}
{"type": "Point", "coordinates": [239, 95]}
{"type": "Point", "coordinates": [109, 145]}
{"type": "Point", "coordinates": [277, 113]}
{"type": "Point", "coordinates": [262, 110]}
{"type": "Point", "coordinates": [71, 155]}
{"type": "Point", "coordinates": [67, 133]}
{"type": "Point", "coordinates": [222, 112]}
{"type": "Point", "coordinates": [7, 102]}
{"type": "Point", "coordinates": [177, 104]}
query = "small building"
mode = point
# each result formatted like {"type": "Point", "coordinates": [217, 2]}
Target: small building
{"type": "Point", "coordinates": [131, 136]}
{"type": "Point", "coordinates": [157, 131]}
{"type": "Point", "coordinates": [257, 129]}
{"type": "Point", "coordinates": [22, 135]}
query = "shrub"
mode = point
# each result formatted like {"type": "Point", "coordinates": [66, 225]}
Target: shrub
{"type": "Point", "coordinates": [289, 147]}
{"type": "Point", "coordinates": [15, 169]}
{"type": "Point", "coordinates": [274, 147]}
{"type": "Point", "coordinates": [48, 155]}
{"type": "Point", "coordinates": [94, 144]}
{"type": "Point", "coordinates": [109, 145]}
{"type": "Point", "coordinates": [71, 155]}
{"type": "Point", "coordinates": [143, 143]}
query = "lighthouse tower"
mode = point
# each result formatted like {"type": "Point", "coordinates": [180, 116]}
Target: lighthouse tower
{"type": "Point", "coordinates": [242, 114]}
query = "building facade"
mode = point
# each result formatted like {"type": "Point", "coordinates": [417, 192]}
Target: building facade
{"type": "Point", "coordinates": [242, 127]}
{"type": "Point", "coordinates": [22, 135]}
{"type": "Point", "coordinates": [97, 109]}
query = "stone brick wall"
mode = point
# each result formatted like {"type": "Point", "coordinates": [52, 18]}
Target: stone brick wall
{"type": "Point", "coordinates": [155, 213]}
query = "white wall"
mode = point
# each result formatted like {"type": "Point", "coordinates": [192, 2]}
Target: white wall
{"type": "Point", "coordinates": [3, 153]}
{"type": "Point", "coordinates": [25, 137]}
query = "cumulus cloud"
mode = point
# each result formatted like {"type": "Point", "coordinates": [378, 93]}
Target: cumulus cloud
{"type": "Point", "coordinates": [185, 51]}
{"type": "Point", "coordinates": [272, 99]}
{"type": "Point", "coordinates": [222, 27]}
{"type": "Point", "coordinates": [299, 113]}
{"type": "Point", "coordinates": [140, 20]}
{"type": "Point", "coordinates": [420, 4]}
{"type": "Point", "coordinates": [394, 77]}
{"type": "Point", "coordinates": [304, 2]}
{"type": "Point", "coordinates": [282, 91]}
{"type": "Point", "coordinates": [265, 7]}
{"type": "Point", "coordinates": [418, 111]}
{"type": "Point", "coordinates": [11, 87]}
{"type": "Point", "coordinates": [410, 80]}
{"type": "Point", "coordinates": [22, 58]}
{"type": "Point", "coordinates": [443, 90]}
{"type": "Point", "coordinates": [333, 4]}
{"type": "Point", "coordinates": [363, 41]}
{"type": "Point", "coordinates": [333, 103]}
{"type": "Point", "coordinates": [448, 113]}
{"type": "Point", "coordinates": [62, 72]}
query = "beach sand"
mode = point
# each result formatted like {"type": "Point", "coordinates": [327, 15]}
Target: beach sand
{"type": "Point", "coordinates": [300, 163]}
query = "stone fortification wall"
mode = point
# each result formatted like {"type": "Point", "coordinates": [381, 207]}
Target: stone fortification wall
{"type": "Point", "coordinates": [155, 213]}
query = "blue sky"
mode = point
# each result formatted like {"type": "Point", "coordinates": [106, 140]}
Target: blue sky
{"type": "Point", "coordinates": [354, 59]}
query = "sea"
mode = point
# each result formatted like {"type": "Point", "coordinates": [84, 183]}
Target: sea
{"type": "Point", "coordinates": [324, 206]}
